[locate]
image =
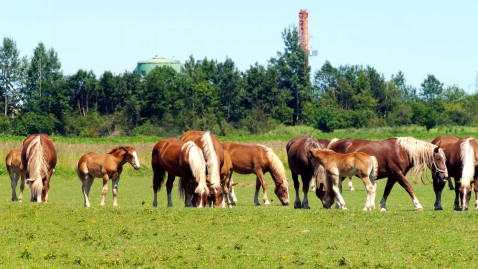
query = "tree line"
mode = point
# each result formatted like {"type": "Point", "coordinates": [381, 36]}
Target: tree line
{"type": "Point", "coordinates": [35, 96]}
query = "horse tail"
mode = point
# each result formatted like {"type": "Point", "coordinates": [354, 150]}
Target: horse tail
{"type": "Point", "coordinates": [467, 156]}
{"type": "Point", "coordinates": [37, 166]}
{"type": "Point", "coordinates": [374, 172]}
{"type": "Point", "coordinates": [212, 164]}
{"type": "Point", "coordinates": [197, 165]}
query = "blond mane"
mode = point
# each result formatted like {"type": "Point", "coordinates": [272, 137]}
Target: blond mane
{"type": "Point", "coordinates": [467, 155]}
{"type": "Point", "coordinates": [211, 160]}
{"type": "Point", "coordinates": [276, 165]}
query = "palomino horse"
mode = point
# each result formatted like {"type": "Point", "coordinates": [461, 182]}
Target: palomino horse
{"type": "Point", "coordinates": [214, 157]}
{"type": "Point", "coordinates": [258, 160]}
{"type": "Point", "coordinates": [184, 160]}
{"type": "Point", "coordinates": [300, 163]}
{"type": "Point", "coordinates": [461, 162]}
{"type": "Point", "coordinates": [15, 169]}
{"type": "Point", "coordinates": [339, 165]}
{"type": "Point", "coordinates": [396, 156]}
{"type": "Point", "coordinates": [39, 159]}
{"type": "Point", "coordinates": [106, 166]}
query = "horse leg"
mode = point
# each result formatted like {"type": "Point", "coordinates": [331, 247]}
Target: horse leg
{"type": "Point", "coordinates": [370, 188]}
{"type": "Point", "coordinates": [351, 186]}
{"type": "Point", "coordinates": [456, 203]}
{"type": "Point", "coordinates": [13, 182]}
{"type": "Point", "coordinates": [450, 184]}
{"type": "Point", "coordinates": [232, 195]}
{"type": "Point", "coordinates": [476, 193]}
{"type": "Point", "coordinates": [335, 180]}
{"type": "Point", "coordinates": [262, 180]}
{"type": "Point", "coordinates": [256, 193]}
{"type": "Point", "coordinates": [388, 187]}
{"type": "Point", "coordinates": [158, 178]}
{"type": "Point", "coordinates": [404, 183]}
{"type": "Point", "coordinates": [295, 178]}
{"type": "Point", "coordinates": [22, 187]}
{"type": "Point", "coordinates": [114, 189]}
{"type": "Point", "coordinates": [305, 190]}
{"type": "Point", "coordinates": [438, 186]}
{"type": "Point", "coordinates": [169, 189]}
{"type": "Point", "coordinates": [104, 191]}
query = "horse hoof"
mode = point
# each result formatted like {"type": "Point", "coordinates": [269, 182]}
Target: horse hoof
{"type": "Point", "coordinates": [296, 205]}
{"type": "Point", "coordinates": [383, 209]}
{"type": "Point", "coordinates": [306, 207]}
{"type": "Point", "coordinates": [352, 189]}
{"type": "Point", "coordinates": [439, 208]}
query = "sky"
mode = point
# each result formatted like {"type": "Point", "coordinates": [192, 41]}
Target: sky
{"type": "Point", "coordinates": [417, 37]}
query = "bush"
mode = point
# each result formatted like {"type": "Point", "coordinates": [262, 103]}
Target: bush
{"type": "Point", "coordinates": [33, 123]}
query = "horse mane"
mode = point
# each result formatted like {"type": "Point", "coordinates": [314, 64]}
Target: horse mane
{"type": "Point", "coordinates": [197, 165]}
{"type": "Point", "coordinates": [332, 141]}
{"type": "Point", "coordinates": [310, 142]}
{"type": "Point", "coordinates": [211, 160]}
{"type": "Point", "coordinates": [419, 152]}
{"type": "Point", "coordinates": [276, 166]}
{"type": "Point", "coordinates": [114, 150]}
{"type": "Point", "coordinates": [467, 155]}
{"type": "Point", "coordinates": [37, 165]}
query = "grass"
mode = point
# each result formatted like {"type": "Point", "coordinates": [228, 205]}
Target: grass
{"type": "Point", "coordinates": [64, 234]}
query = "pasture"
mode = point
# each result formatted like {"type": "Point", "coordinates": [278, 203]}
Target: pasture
{"type": "Point", "coordinates": [65, 234]}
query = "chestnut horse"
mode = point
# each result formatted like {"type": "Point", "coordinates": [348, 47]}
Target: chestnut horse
{"type": "Point", "coordinates": [214, 157]}
{"type": "Point", "coordinates": [300, 163]}
{"type": "Point", "coordinates": [184, 160]}
{"type": "Point", "coordinates": [106, 166]}
{"type": "Point", "coordinates": [15, 169]}
{"type": "Point", "coordinates": [339, 165]}
{"type": "Point", "coordinates": [258, 160]}
{"type": "Point", "coordinates": [396, 156]}
{"type": "Point", "coordinates": [39, 159]}
{"type": "Point", "coordinates": [462, 163]}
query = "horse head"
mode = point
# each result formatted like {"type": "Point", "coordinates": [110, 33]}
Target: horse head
{"type": "Point", "coordinates": [439, 164]}
{"type": "Point", "coordinates": [282, 192]}
{"type": "Point", "coordinates": [131, 157]}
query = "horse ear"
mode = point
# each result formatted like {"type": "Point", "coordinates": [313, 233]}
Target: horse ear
{"type": "Point", "coordinates": [439, 143]}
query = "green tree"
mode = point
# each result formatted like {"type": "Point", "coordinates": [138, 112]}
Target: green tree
{"type": "Point", "coordinates": [10, 75]}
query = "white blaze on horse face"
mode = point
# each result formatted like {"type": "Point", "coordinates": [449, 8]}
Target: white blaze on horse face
{"type": "Point", "coordinates": [136, 164]}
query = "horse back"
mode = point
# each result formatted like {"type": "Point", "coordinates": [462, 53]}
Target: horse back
{"type": "Point", "coordinates": [48, 148]}
{"type": "Point", "coordinates": [13, 161]}
{"type": "Point", "coordinates": [298, 155]}
{"type": "Point", "coordinates": [166, 154]}
{"type": "Point", "coordinates": [246, 159]}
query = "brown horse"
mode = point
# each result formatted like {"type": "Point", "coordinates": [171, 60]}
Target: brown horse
{"type": "Point", "coordinates": [184, 160]}
{"type": "Point", "coordinates": [339, 165]}
{"type": "Point", "coordinates": [106, 166]}
{"type": "Point", "coordinates": [462, 163]}
{"type": "Point", "coordinates": [39, 159]}
{"type": "Point", "coordinates": [15, 169]}
{"type": "Point", "coordinates": [396, 156]}
{"type": "Point", "coordinates": [258, 160]}
{"type": "Point", "coordinates": [300, 163]}
{"type": "Point", "coordinates": [214, 157]}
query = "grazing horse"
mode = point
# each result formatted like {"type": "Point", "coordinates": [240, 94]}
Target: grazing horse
{"type": "Point", "coordinates": [462, 163]}
{"type": "Point", "coordinates": [106, 166]}
{"type": "Point", "coordinates": [300, 163]}
{"type": "Point", "coordinates": [39, 159]}
{"type": "Point", "coordinates": [396, 156]}
{"type": "Point", "coordinates": [339, 165]}
{"type": "Point", "coordinates": [214, 157]}
{"type": "Point", "coordinates": [16, 170]}
{"type": "Point", "coordinates": [184, 160]}
{"type": "Point", "coordinates": [258, 160]}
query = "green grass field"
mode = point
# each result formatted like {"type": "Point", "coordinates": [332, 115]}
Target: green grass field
{"type": "Point", "coordinates": [64, 234]}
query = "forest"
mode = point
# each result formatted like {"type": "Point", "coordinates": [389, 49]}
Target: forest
{"type": "Point", "coordinates": [36, 97]}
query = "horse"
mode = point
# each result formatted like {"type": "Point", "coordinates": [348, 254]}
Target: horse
{"type": "Point", "coordinates": [106, 166]}
{"type": "Point", "coordinates": [214, 157]}
{"type": "Point", "coordinates": [258, 160]}
{"type": "Point", "coordinates": [39, 160]}
{"type": "Point", "coordinates": [300, 163]}
{"type": "Point", "coordinates": [339, 165]}
{"type": "Point", "coordinates": [396, 156]}
{"type": "Point", "coordinates": [462, 163]}
{"type": "Point", "coordinates": [16, 170]}
{"type": "Point", "coordinates": [184, 160]}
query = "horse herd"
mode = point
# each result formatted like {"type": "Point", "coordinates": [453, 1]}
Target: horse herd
{"type": "Point", "coordinates": [205, 166]}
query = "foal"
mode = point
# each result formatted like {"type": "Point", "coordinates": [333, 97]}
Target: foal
{"type": "Point", "coordinates": [15, 169]}
{"type": "Point", "coordinates": [106, 166]}
{"type": "Point", "coordinates": [338, 165]}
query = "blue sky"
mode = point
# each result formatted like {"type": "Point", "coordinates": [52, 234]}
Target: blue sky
{"type": "Point", "coordinates": [418, 37]}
